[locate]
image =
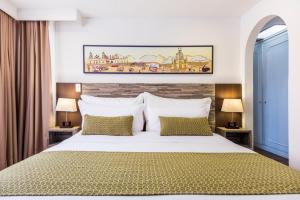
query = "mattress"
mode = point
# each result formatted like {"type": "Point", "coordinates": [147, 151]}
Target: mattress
{"type": "Point", "coordinates": [153, 142]}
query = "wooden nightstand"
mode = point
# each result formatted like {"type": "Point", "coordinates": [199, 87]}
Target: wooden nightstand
{"type": "Point", "coordinates": [57, 134]}
{"type": "Point", "coordinates": [239, 136]}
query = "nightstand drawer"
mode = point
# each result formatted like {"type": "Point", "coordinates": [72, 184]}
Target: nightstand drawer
{"type": "Point", "coordinates": [241, 136]}
{"type": "Point", "coordinates": [238, 138]}
{"type": "Point", "coordinates": [57, 134]}
{"type": "Point", "coordinates": [55, 137]}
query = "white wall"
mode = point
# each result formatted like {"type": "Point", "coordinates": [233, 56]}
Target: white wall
{"type": "Point", "coordinates": [251, 23]}
{"type": "Point", "coordinates": [9, 8]}
{"type": "Point", "coordinates": [220, 32]}
{"type": "Point", "coordinates": [53, 70]}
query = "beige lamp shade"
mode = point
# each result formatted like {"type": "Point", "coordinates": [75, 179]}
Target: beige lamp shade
{"type": "Point", "coordinates": [232, 105]}
{"type": "Point", "coordinates": [66, 105]}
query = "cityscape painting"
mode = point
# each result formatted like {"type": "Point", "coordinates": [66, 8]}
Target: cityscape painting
{"type": "Point", "coordinates": [148, 59]}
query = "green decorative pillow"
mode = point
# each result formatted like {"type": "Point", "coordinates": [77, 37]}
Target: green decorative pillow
{"type": "Point", "coordinates": [99, 125]}
{"type": "Point", "coordinates": [173, 126]}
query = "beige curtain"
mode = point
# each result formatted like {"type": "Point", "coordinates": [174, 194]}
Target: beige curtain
{"type": "Point", "coordinates": [25, 101]}
{"type": "Point", "coordinates": [8, 119]}
{"type": "Point", "coordinates": [33, 87]}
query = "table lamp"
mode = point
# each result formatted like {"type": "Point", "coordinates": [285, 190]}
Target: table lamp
{"type": "Point", "coordinates": [66, 105]}
{"type": "Point", "coordinates": [232, 105]}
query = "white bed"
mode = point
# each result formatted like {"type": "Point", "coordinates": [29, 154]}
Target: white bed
{"type": "Point", "coordinates": [152, 142]}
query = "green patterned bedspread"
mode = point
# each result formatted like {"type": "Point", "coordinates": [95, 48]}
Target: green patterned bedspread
{"type": "Point", "coordinates": [117, 173]}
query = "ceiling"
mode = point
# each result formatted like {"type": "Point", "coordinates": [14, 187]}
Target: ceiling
{"type": "Point", "coordinates": [144, 8]}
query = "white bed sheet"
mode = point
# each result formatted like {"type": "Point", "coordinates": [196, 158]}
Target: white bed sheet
{"type": "Point", "coordinates": [148, 142]}
{"type": "Point", "coordinates": [152, 142]}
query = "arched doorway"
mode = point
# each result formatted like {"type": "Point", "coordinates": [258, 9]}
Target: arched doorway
{"type": "Point", "coordinates": [267, 79]}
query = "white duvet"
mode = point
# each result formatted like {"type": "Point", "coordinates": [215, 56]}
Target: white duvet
{"type": "Point", "coordinates": [152, 142]}
{"type": "Point", "coordinates": [148, 142]}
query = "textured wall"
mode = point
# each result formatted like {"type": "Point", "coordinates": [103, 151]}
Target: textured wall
{"type": "Point", "coordinates": [180, 91]}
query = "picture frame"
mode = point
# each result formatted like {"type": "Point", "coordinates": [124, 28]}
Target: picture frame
{"type": "Point", "coordinates": [134, 59]}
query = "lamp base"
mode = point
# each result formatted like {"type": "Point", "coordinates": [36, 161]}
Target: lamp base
{"type": "Point", "coordinates": [232, 125]}
{"type": "Point", "coordinates": [65, 124]}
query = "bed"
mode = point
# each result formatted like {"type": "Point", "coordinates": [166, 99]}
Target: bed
{"type": "Point", "coordinates": [150, 166]}
{"type": "Point", "coordinates": [152, 142]}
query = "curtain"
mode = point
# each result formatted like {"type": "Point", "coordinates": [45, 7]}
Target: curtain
{"type": "Point", "coordinates": [33, 87]}
{"type": "Point", "coordinates": [25, 85]}
{"type": "Point", "coordinates": [8, 119]}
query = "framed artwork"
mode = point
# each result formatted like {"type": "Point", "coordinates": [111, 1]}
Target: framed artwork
{"type": "Point", "coordinates": [105, 59]}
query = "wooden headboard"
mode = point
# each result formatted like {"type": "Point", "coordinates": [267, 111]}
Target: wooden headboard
{"type": "Point", "coordinates": [217, 92]}
{"type": "Point", "coordinates": [178, 91]}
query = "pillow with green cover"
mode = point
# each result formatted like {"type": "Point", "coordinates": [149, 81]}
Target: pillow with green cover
{"type": "Point", "coordinates": [176, 126]}
{"type": "Point", "coordinates": [99, 125]}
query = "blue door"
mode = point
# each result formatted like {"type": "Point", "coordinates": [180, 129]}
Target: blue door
{"type": "Point", "coordinates": [271, 94]}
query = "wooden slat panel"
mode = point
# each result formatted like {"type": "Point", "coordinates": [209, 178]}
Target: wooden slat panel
{"type": "Point", "coordinates": [217, 92]}
{"type": "Point", "coordinates": [67, 90]}
{"type": "Point", "coordinates": [180, 91]}
{"type": "Point", "coordinates": [227, 91]}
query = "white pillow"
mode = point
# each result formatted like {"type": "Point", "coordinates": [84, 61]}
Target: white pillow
{"type": "Point", "coordinates": [159, 106]}
{"type": "Point", "coordinates": [113, 111]}
{"type": "Point", "coordinates": [113, 101]}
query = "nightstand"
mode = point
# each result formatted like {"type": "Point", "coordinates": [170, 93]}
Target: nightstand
{"type": "Point", "coordinates": [57, 134]}
{"type": "Point", "coordinates": [239, 136]}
